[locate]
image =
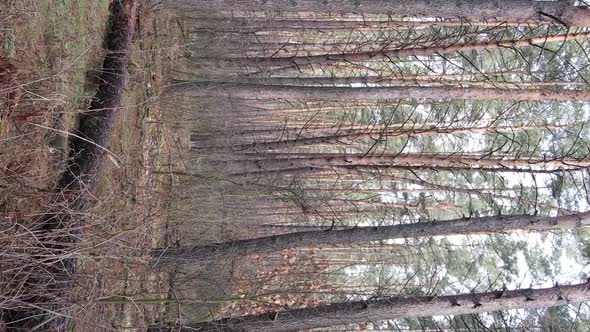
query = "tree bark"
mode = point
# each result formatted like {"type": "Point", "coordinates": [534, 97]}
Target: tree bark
{"type": "Point", "coordinates": [391, 308]}
{"type": "Point", "coordinates": [246, 25]}
{"type": "Point", "coordinates": [434, 80]}
{"type": "Point", "coordinates": [300, 61]}
{"type": "Point", "coordinates": [343, 94]}
{"type": "Point", "coordinates": [94, 131]}
{"type": "Point", "coordinates": [265, 245]}
{"type": "Point", "coordinates": [513, 10]}
{"type": "Point", "coordinates": [348, 136]}
{"type": "Point", "coordinates": [268, 162]}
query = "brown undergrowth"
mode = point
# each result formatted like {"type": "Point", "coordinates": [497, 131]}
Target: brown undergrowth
{"type": "Point", "coordinates": [51, 50]}
{"type": "Point", "coordinates": [134, 218]}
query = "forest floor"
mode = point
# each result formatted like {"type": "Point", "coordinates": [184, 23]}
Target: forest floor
{"type": "Point", "coordinates": [49, 52]}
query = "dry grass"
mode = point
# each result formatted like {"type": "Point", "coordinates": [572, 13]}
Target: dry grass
{"type": "Point", "coordinates": [51, 44]}
{"type": "Point", "coordinates": [134, 217]}
{"type": "Point", "coordinates": [52, 48]}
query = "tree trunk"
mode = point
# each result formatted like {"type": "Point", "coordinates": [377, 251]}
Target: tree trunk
{"type": "Point", "coordinates": [348, 136]}
{"type": "Point", "coordinates": [265, 245]}
{"type": "Point", "coordinates": [246, 25]}
{"type": "Point", "coordinates": [392, 308]}
{"type": "Point", "coordinates": [261, 91]}
{"type": "Point", "coordinates": [268, 162]}
{"type": "Point", "coordinates": [434, 80]}
{"type": "Point", "coordinates": [446, 188]}
{"type": "Point", "coordinates": [300, 61]}
{"type": "Point", "coordinates": [513, 10]}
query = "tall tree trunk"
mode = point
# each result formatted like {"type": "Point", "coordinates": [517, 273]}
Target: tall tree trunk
{"type": "Point", "coordinates": [513, 10]}
{"type": "Point", "coordinates": [391, 308]}
{"type": "Point", "coordinates": [299, 61]}
{"type": "Point", "coordinates": [434, 80]}
{"type": "Point", "coordinates": [265, 245]}
{"type": "Point", "coordinates": [241, 25]}
{"type": "Point", "coordinates": [348, 136]}
{"type": "Point", "coordinates": [267, 162]}
{"type": "Point", "coordinates": [261, 91]}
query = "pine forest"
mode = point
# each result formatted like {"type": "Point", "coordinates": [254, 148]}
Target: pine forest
{"type": "Point", "coordinates": [299, 165]}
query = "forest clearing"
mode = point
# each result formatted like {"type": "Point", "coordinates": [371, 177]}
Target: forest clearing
{"type": "Point", "coordinates": [294, 165]}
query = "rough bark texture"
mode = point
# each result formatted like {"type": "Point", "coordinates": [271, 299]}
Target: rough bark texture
{"type": "Point", "coordinates": [513, 10]}
{"type": "Point", "coordinates": [96, 123]}
{"type": "Point", "coordinates": [299, 61]}
{"type": "Point", "coordinates": [261, 91]}
{"type": "Point", "coordinates": [349, 136]}
{"type": "Point", "coordinates": [262, 162]}
{"type": "Point", "coordinates": [241, 25]}
{"type": "Point", "coordinates": [367, 81]}
{"type": "Point", "coordinates": [275, 243]}
{"type": "Point", "coordinates": [392, 308]}
{"type": "Point", "coordinates": [87, 147]}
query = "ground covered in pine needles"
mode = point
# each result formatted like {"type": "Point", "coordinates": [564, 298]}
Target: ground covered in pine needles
{"type": "Point", "coordinates": [50, 55]}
